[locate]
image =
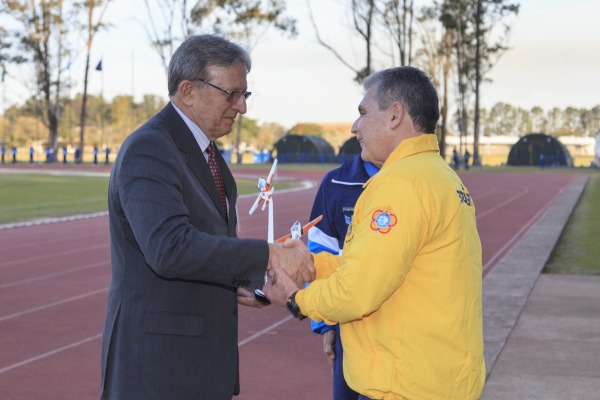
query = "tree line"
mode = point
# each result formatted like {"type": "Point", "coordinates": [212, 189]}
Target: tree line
{"type": "Point", "coordinates": [43, 35]}
{"type": "Point", "coordinates": [456, 41]}
{"type": "Point", "coordinates": [109, 122]}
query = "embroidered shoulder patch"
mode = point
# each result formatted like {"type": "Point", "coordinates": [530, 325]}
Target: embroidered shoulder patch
{"type": "Point", "coordinates": [464, 196]}
{"type": "Point", "coordinates": [383, 221]}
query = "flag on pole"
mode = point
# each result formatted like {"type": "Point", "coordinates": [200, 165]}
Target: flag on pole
{"type": "Point", "coordinates": [99, 66]}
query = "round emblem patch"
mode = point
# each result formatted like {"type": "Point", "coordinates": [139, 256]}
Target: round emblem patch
{"type": "Point", "coordinates": [383, 221]}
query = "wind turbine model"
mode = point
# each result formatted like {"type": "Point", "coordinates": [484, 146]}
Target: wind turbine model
{"type": "Point", "coordinates": [297, 230]}
{"type": "Point", "coordinates": [266, 197]}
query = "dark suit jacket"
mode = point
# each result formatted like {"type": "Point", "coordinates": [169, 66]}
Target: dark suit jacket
{"type": "Point", "coordinates": [171, 320]}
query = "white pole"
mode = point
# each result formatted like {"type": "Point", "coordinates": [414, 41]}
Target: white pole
{"type": "Point", "coordinates": [270, 228]}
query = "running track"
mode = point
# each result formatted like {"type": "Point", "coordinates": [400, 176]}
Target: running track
{"type": "Point", "coordinates": [54, 280]}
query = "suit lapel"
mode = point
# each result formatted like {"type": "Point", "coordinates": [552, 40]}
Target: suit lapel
{"type": "Point", "coordinates": [186, 143]}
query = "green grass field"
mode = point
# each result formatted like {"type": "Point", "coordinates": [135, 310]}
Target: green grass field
{"type": "Point", "coordinates": [578, 249]}
{"type": "Point", "coordinates": [27, 197]}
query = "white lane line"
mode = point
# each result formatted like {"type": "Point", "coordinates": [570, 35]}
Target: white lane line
{"type": "Point", "coordinates": [48, 354]}
{"type": "Point", "coordinates": [56, 303]}
{"type": "Point", "coordinates": [89, 339]}
{"type": "Point", "coordinates": [267, 329]}
{"type": "Point", "coordinates": [505, 202]}
{"type": "Point", "coordinates": [517, 235]}
{"type": "Point", "coordinates": [53, 275]}
{"type": "Point", "coordinates": [59, 254]}
{"type": "Point", "coordinates": [476, 195]}
{"type": "Point", "coordinates": [46, 221]}
{"type": "Point", "coordinates": [24, 241]}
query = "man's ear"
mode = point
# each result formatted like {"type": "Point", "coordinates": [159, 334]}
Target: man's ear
{"type": "Point", "coordinates": [397, 112]}
{"type": "Point", "coordinates": [185, 90]}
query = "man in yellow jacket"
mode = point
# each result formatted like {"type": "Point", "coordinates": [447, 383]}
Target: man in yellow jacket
{"type": "Point", "coordinates": [407, 289]}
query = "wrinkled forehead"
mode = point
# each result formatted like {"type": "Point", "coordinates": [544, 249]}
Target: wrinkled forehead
{"type": "Point", "coordinates": [369, 100]}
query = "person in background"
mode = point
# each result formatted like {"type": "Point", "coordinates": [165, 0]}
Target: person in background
{"type": "Point", "coordinates": [106, 155]}
{"type": "Point", "coordinates": [456, 159]}
{"type": "Point", "coordinates": [467, 158]}
{"type": "Point", "coordinates": [178, 269]}
{"type": "Point", "coordinates": [407, 289]}
{"type": "Point", "coordinates": [335, 199]}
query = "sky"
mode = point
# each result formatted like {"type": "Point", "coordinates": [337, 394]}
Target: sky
{"type": "Point", "coordinates": [553, 61]}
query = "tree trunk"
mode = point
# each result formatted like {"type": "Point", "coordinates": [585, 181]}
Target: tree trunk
{"type": "Point", "coordinates": [478, 38]}
{"type": "Point", "coordinates": [82, 115]}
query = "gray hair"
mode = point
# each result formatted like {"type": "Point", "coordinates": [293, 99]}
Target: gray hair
{"type": "Point", "coordinates": [198, 52]}
{"type": "Point", "coordinates": [413, 89]}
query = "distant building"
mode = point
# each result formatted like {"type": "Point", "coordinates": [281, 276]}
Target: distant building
{"type": "Point", "coordinates": [303, 149]}
{"type": "Point", "coordinates": [349, 149]}
{"type": "Point", "coordinates": [494, 150]}
{"type": "Point", "coordinates": [541, 150]}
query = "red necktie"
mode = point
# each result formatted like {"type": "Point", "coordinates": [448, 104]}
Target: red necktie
{"type": "Point", "coordinates": [216, 173]}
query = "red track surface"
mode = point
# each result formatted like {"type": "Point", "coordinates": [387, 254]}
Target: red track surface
{"type": "Point", "coordinates": [54, 280]}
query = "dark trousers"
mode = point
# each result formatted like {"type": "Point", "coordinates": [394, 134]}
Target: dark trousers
{"type": "Point", "coordinates": [341, 390]}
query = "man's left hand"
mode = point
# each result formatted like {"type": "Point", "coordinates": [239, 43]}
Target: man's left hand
{"type": "Point", "coordinates": [279, 285]}
{"type": "Point", "coordinates": [246, 297]}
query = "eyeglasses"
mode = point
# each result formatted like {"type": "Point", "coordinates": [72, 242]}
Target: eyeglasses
{"type": "Point", "coordinates": [232, 95]}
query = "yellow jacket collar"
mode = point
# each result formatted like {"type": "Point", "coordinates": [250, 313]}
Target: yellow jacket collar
{"type": "Point", "coordinates": [408, 147]}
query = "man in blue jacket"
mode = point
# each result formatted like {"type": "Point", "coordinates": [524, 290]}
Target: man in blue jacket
{"type": "Point", "coordinates": [335, 200]}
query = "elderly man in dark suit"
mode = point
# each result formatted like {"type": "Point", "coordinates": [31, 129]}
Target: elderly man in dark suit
{"type": "Point", "coordinates": [178, 270]}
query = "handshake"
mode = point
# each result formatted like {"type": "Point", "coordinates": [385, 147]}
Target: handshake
{"type": "Point", "coordinates": [290, 267]}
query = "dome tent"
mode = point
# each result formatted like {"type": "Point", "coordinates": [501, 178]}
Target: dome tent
{"type": "Point", "coordinates": [539, 149]}
{"type": "Point", "coordinates": [303, 149]}
{"type": "Point", "coordinates": [349, 149]}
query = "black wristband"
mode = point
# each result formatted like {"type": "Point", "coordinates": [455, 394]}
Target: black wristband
{"type": "Point", "coordinates": [293, 307]}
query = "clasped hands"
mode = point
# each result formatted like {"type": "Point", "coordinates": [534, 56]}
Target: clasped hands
{"type": "Point", "coordinates": [290, 267]}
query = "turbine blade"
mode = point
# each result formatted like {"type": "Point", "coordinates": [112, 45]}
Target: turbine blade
{"type": "Point", "coordinates": [272, 172]}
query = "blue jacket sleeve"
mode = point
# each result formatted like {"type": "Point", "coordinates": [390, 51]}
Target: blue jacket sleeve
{"type": "Point", "coordinates": [319, 237]}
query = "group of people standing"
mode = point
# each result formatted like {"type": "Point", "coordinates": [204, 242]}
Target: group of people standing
{"type": "Point", "coordinates": [394, 267]}
{"type": "Point", "coordinates": [52, 157]}
{"type": "Point", "coordinates": [456, 159]}
{"type": "Point", "coordinates": [3, 152]}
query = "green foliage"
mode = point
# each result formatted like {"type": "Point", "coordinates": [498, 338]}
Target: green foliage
{"type": "Point", "coordinates": [307, 129]}
{"type": "Point", "coordinates": [506, 119]}
{"type": "Point", "coordinates": [244, 20]}
{"type": "Point", "coordinates": [577, 250]}
{"type": "Point", "coordinates": [44, 37]}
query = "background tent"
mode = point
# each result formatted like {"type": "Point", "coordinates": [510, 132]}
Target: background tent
{"type": "Point", "coordinates": [539, 149]}
{"type": "Point", "coordinates": [349, 149]}
{"type": "Point", "coordinates": [303, 149]}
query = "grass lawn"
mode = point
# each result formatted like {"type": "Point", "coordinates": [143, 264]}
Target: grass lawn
{"type": "Point", "coordinates": [578, 248]}
{"type": "Point", "coordinates": [28, 197]}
